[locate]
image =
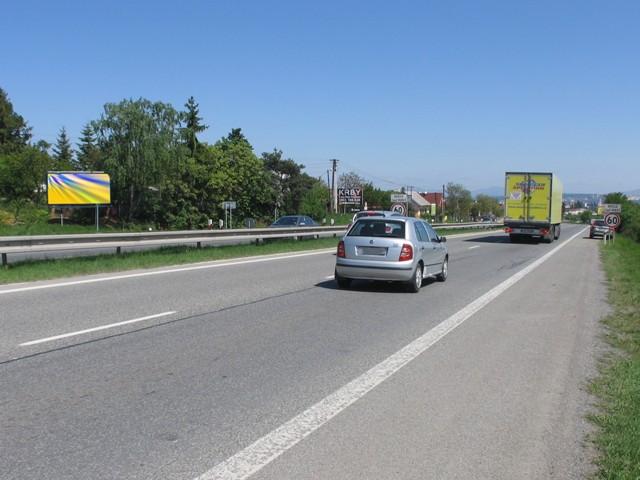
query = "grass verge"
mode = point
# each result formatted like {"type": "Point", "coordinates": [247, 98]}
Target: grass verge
{"type": "Point", "coordinates": [618, 385]}
{"type": "Point", "coordinates": [65, 267]}
{"type": "Point", "coordinates": [32, 270]}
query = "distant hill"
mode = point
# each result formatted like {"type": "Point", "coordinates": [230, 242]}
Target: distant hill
{"type": "Point", "coordinates": [497, 192]}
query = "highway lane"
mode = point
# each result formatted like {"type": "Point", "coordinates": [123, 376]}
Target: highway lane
{"type": "Point", "coordinates": [249, 347]}
{"type": "Point", "coordinates": [188, 290]}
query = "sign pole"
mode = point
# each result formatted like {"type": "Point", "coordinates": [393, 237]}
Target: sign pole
{"type": "Point", "coordinates": [97, 219]}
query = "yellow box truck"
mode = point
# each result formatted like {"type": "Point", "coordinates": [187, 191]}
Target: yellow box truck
{"type": "Point", "coordinates": [532, 206]}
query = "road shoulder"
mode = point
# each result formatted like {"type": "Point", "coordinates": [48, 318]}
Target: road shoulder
{"type": "Point", "coordinates": [503, 396]}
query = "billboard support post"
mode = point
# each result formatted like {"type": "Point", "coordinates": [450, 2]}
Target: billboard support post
{"type": "Point", "coordinates": [97, 218]}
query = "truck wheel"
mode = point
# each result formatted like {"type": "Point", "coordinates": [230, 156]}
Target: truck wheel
{"type": "Point", "coordinates": [552, 235]}
{"type": "Point", "coordinates": [557, 232]}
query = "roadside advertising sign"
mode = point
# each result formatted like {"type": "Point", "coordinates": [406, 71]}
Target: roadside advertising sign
{"type": "Point", "coordinates": [230, 205]}
{"type": "Point", "coordinates": [78, 188]}
{"type": "Point", "coordinates": [350, 196]}
{"type": "Point", "coordinates": [398, 198]}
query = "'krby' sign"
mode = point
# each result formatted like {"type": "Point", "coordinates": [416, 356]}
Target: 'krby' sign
{"type": "Point", "coordinates": [350, 196]}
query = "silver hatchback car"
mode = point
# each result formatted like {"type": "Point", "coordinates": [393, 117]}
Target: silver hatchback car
{"type": "Point", "coordinates": [400, 249]}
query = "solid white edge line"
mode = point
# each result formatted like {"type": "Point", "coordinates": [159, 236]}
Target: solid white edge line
{"type": "Point", "coordinates": [266, 449]}
{"type": "Point", "coordinates": [172, 270]}
{"type": "Point", "coordinates": [95, 329]}
{"type": "Point", "coordinates": [187, 269]}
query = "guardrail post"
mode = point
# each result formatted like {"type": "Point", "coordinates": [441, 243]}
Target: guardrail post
{"type": "Point", "coordinates": [199, 245]}
{"type": "Point", "coordinates": [118, 250]}
{"type": "Point", "coordinates": [4, 260]}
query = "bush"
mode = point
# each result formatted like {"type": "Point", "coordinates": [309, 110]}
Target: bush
{"type": "Point", "coordinates": [630, 216]}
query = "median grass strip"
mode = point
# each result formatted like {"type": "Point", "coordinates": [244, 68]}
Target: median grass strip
{"type": "Point", "coordinates": [65, 267]}
{"type": "Point", "coordinates": [32, 270]}
{"type": "Point", "coordinates": [618, 385]}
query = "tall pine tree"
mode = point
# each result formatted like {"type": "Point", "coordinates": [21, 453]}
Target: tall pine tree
{"type": "Point", "coordinates": [14, 132]}
{"type": "Point", "coordinates": [62, 152]}
{"type": "Point", "coordinates": [88, 155]}
{"type": "Point", "coordinates": [193, 124]}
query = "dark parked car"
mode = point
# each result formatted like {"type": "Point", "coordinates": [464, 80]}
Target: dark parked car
{"type": "Point", "coordinates": [598, 229]}
{"type": "Point", "coordinates": [294, 221]}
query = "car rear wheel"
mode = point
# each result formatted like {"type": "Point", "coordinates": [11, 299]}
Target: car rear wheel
{"type": "Point", "coordinates": [416, 281]}
{"type": "Point", "coordinates": [442, 276]}
{"type": "Point", "coordinates": [342, 281]}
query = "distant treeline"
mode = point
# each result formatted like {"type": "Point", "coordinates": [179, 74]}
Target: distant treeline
{"type": "Point", "coordinates": [161, 172]}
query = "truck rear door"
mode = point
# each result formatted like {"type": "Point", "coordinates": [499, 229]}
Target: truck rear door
{"type": "Point", "coordinates": [528, 197]}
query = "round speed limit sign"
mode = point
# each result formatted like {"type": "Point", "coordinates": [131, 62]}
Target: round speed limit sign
{"type": "Point", "coordinates": [612, 220]}
{"type": "Point", "coordinates": [399, 208]}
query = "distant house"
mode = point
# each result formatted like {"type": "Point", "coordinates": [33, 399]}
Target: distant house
{"type": "Point", "coordinates": [435, 198]}
{"type": "Point", "coordinates": [419, 203]}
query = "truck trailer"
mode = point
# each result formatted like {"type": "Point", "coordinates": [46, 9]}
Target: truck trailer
{"type": "Point", "coordinates": [532, 206]}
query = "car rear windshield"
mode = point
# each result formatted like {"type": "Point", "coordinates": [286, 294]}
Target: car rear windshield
{"type": "Point", "coordinates": [600, 223]}
{"type": "Point", "coordinates": [377, 228]}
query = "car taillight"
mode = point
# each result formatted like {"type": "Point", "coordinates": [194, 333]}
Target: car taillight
{"type": "Point", "coordinates": [544, 231]}
{"type": "Point", "coordinates": [508, 230]}
{"type": "Point", "coordinates": [406, 253]}
{"type": "Point", "coordinates": [341, 252]}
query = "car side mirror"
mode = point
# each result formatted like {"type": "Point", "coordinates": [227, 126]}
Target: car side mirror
{"type": "Point", "coordinates": [443, 239]}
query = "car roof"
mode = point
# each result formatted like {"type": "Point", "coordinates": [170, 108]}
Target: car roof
{"type": "Point", "coordinates": [395, 217]}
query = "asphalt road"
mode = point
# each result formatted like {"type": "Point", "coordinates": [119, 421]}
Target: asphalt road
{"type": "Point", "coordinates": [235, 350]}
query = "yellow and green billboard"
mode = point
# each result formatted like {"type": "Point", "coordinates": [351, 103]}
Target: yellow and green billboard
{"type": "Point", "coordinates": [78, 188]}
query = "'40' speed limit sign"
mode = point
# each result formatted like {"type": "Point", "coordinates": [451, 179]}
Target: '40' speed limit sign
{"type": "Point", "coordinates": [612, 220]}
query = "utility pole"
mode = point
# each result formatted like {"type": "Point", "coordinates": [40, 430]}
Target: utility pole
{"type": "Point", "coordinates": [442, 204]}
{"type": "Point", "coordinates": [334, 192]}
{"type": "Point", "coordinates": [409, 197]}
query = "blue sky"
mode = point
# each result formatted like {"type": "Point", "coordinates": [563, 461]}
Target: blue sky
{"type": "Point", "coordinates": [404, 93]}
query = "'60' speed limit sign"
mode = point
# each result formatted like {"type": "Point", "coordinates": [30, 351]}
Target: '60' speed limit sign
{"type": "Point", "coordinates": [612, 220]}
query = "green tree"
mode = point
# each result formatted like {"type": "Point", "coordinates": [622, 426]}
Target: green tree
{"type": "Point", "coordinates": [233, 172]}
{"type": "Point", "coordinates": [88, 155]}
{"type": "Point", "coordinates": [458, 202]}
{"type": "Point", "coordinates": [314, 201]}
{"type": "Point", "coordinates": [62, 152]}
{"type": "Point", "coordinates": [14, 132]}
{"type": "Point", "coordinates": [629, 215]}
{"type": "Point", "coordinates": [350, 180]}
{"type": "Point", "coordinates": [487, 206]}
{"type": "Point", "coordinates": [140, 144]}
{"type": "Point", "coordinates": [376, 198]}
{"type": "Point", "coordinates": [23, 174]}
{"type": "Point", "coordinates": [193, 124]}
{"type": "Point", "coordinates": [288, 181]}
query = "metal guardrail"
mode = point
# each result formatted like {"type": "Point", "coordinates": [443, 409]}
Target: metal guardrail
{"type": "Point", "coordinates": [51, 243]}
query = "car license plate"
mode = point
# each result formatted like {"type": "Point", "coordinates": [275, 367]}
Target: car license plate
{"type": "Point", "coordinates": [380, 251]}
